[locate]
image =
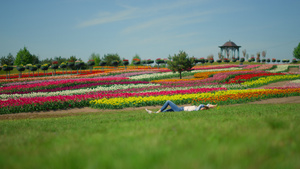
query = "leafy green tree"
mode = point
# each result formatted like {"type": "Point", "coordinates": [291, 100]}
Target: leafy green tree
{"type": "Point", "coordinates": [135, 57]}
{"type": "Point", "coordinates": [23, 57]}
{"type": "Point", "coordinates": [35, 59]}
{"type": "Point", "coordinates": [46, 61]}
{"type": "Point", "coordinates": [91, 63]}
{"type": "Point", "coordinates": [7, 60]}
{"type": "Point", "coordinates": [297, 52]}
{"type": "Point", "coordinates": [180, 62]}
{"type": "Point", "coordinates": [96, 58]}
{"type": "Point", "coordinates": [109, 58]}
{"type": "Point", "coordinates": [45, 67]}
{"type": "Point", "coordinates": [73, 58]}
{"type": "Point", "coordinates": [60, 59]}
{"type": "Point", "coordinates": [20, 68]}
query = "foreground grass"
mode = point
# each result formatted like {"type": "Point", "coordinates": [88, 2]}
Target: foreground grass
{"type": "Point", "coordinates": [244, 136]}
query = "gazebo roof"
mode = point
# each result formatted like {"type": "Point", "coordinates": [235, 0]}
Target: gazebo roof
{"type": "Point", "coordinates": [230, 44]}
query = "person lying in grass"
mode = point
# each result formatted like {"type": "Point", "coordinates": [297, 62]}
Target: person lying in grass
{"type": "Point", "coordinates": [174, 107]}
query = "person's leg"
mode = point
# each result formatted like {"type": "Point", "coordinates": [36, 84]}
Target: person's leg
{"type": "Point", "coordinates": [211, 106]}
{"type": "Point", "coordinates": [173, 106]}
{"type": "Point", "coordinates": [149, 111]}
{"type": "Point", "coordinates": [168, 110]}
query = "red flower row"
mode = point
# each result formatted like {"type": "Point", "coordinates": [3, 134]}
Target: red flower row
{"type": "Point", "coordinates": [245, 77]}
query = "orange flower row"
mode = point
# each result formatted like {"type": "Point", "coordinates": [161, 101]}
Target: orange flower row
{"type": "Point", "coordinates": [249, 96]}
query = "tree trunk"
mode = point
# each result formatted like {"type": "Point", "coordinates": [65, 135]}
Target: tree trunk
{"type": "Point", "coordinates": [180, 75]}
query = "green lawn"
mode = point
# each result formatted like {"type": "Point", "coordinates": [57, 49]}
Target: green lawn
{"type": "Point", "coordinates": [244, 136]}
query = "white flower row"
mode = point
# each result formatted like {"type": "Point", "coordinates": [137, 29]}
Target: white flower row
{"type": "Point", "coordinates": [154, 75]}
{"type": "Point", "coordinates": [77, 91]}
{"type": "Point", "coordinates": [296, 81]}
{"type": "Point", "coordinates": [280, 68]}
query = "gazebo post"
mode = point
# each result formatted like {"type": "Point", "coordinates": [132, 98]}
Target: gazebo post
{"type": "Point", "coordinates": [230, 46]}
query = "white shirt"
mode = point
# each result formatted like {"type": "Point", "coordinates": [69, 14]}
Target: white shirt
{"type": "Point", "coordinates": [189, 108]}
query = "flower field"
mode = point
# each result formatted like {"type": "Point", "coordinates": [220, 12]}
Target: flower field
{"type": "Point", "coordinates": [115, 89]}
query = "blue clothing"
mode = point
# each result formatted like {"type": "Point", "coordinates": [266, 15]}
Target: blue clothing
{"type": "Point", "coordinates": [173, 106]}
{"type": "Point", "coordinates": [199, 107]}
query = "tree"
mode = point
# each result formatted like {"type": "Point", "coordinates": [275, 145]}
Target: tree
{"type": "Point", "coordinates": [159, 61]}
{"type": "Point", "coordinates": [35, 59]}
{"type": "Point", "coordinates": [73, 58]}
{"type": "Point", "coordinates": [180, 62]}
{"type": "Point", "coordinates": [33, 68]}
{"type": "Point", "coordinates": [60, 59]}
{"type": "Point", "coordinates": [46, 61]}
{"type": "Point", "coordinates": [135, 57]}
{"type": "Point", "coordinates": [20, 68]}
{"type": "Point", "coordinates": [264, 53]}
{"type": "Point", "coordinates": [136, 61]}
{"type": "Point", "coordinates": [109, 58]}
{"type": "Point", "coordinates": [7, 68]}
{"type": "Point", "coordinates": [258, 56]}
{"type": "Point", "coordinates": [91, 63]}
{"type": "Point", "coordinates": [23, 57]}
{"type": "Point", "coordinates": [244, 53]}
{"type": "Point", "coordinates": [96, 58]}
{"type": "Point", "coordinates": [44, 67]}
{"type": "Point", "coordinates": [297, 52]}
{"type": "Point", "coordinates": [54, 66]}
{"type": "Point", "coordinates": [125, 63]}
{"type": "Point", "coordinates": [7, 60]}
{"type": "Point", "coordinates": [63, 65]}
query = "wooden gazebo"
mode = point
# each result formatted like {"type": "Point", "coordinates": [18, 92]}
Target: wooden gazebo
{"type": "Point", "coordinates": [230, 48]}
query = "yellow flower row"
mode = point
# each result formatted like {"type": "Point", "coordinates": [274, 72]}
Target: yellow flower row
{"type": "Point", "coordinates": [268, 79]}
{"type": "Point", "coordinates": [120, 102]}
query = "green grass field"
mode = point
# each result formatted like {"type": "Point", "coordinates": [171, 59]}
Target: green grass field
{"type": "Point", "coordinates": [242, 136]}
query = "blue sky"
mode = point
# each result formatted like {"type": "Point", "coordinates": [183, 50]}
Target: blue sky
{"type": "Point", "coordinates": [152, 29]}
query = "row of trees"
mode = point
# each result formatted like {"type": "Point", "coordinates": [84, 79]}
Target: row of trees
{"type": "Point", "coordinates": [24, 57]}
{"type": "Point", "coordinates": [177, 63]}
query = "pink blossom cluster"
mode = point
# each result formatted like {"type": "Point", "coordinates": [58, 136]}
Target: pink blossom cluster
{"type": "Point", "coordinates": [216, 78]}
{"type": "Point", "coordinates": [78, 87]}
{"type": "Point", "coordinates": [78, 98]}
{"type": "Point", "coordinates": [222, 76]}
{"type": "Point", "coordinates": [251, 66]}
{"type": "Point", "coordinates": [291, 84]}
{"type": "Point", "coordinates": [132, 74]}
{"type": "Point", "coordinates": [47, 83]}
{"type": "Point", "coordinates": [264, 67]}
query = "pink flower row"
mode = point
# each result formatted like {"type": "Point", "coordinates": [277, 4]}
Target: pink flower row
{"type": "Point", "coordinates": [250, 66]}
{"type": "Point", "coordinates": [60, 82]}
{"type": "Point", "coordinates": [133, 74]}
{"type": "Point", "coordinates": [216, 78]}
{"type": "Point", "coordinates": [79, 86]}
{"type": "Point", "coordinates": [264, 67]}
{"type": "Point", "coordinates": [78, 98]}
